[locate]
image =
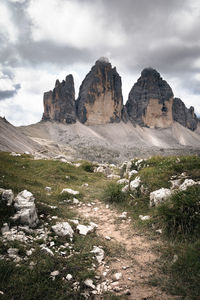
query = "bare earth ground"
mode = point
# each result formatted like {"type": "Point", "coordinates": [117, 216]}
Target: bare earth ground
{"type": "Point", "coordinates": [136, 262]}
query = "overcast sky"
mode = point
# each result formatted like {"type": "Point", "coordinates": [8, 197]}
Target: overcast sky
{"type": "Point", "coordinates": [42, 40]}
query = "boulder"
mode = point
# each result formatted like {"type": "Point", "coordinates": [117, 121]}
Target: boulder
{"type": "Point", "coordinates": [26, 210]}
{"type": "Point", "coordinates": [7, 196]}
{"type": "Point", "coordinates": [85, 229]}
{"type": "Point", "coordinates": [99, 253]}
{"type": "Point", "coordinates": [123, 181]}
{"type": "Point", "coordinates": [134, 184]}
{"type": "Point", "coordinates": [63, 229]}
{"type": "Point", "coordinates": [186, 184]}
{"type": "Point", "coordinates": [159, 196]}
{"type": "Point", "coordinates": [100, 98]}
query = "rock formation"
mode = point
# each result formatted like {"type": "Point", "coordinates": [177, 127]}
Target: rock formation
{"type": "Point", "coordinates": [100, 98]}
{"type": "Point", "coordinates": [150, 101]}
{"type": "Point", "coordinates": [183, 115]}
{"type": "Point", "coordinates": [59, 104]}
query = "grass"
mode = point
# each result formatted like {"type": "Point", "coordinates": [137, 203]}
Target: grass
{"type": "Point", "coordinates": [19, 173]}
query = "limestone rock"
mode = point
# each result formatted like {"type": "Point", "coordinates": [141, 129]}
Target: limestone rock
{"type": "Point", "coordinates": [150, 101]}
{"type": "Point", "coordinates": [159, 196]}
{"type": "Point", "coordinates": [99, 253]}
{"type": "Point", "coordinates": [7, 196]}
{"type": "Point", "coordinates": [70, 191]}
{"type": "Point", "coordinates": [134, 184]}
{"type": "Point", "coordinates": [84, 230]}
{"type": "Point", "coordinates": [186, 184]}
{"type": "Point", "coordinates": [100, 98]}
{"type": "Point", "coordinates": [183, 115]}
{"type": "Point", "coordinates": [59, 104]}
{"type": "Point", "coordinates": [26, 210]}
{"type": "Point", "coordinates": [63, 229]}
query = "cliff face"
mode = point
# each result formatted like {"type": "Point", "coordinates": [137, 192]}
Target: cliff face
{"type": "Point", "coordinates": [150, 101]}
{"type": "Point", "coordinates": [100, 98]}
{"type": "Point", "coordinates": [183, 115]}
{"type": "Point", "coordinates": [59, 104]}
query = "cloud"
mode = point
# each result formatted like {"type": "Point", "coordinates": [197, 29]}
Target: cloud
{"type": "Point", "coordinates": [44, 40]}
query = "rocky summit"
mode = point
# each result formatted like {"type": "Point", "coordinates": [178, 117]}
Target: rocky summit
{"type": "Point", "coordinates": [151, 103]}
{"type": "Point", "coordinates": [100, 98]}
{"type": "Point", "coordinates": [59, 104]}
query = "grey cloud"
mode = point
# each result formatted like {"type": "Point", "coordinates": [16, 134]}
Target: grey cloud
{"type": "Point", "coordinates": [9, 94]}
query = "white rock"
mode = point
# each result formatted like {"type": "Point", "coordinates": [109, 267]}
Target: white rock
{"type": "Point", "coordinates": [29, 252]}
{"type": "Point", "coordinates": [12, 252]}
{"type": "Point", "coordinates": [75, 201]}
{"type": "Point", "coordinates": [69, 277]}
{"type": "Point", "coordinates": [131, 173]}
{"type": "Point", "coordinates": [63, 229]}
{"type": "Point", "coordinates": [99, 253]}
{"type": "Point", "coordinates": [96, 208]}
{"type": "Point", "coordinates": [26, 210]}
{"type": "Point", "coordinates": [48, 189]}
{"type": "Point", "coordinates": [76, 222]}
{"type": "Point", "coordinates": [15, 154]}
{"type": "Point", "coordinates": [107, 238]}
{"type": "Point", "coordinates": [175, 184]}
{"type": "Point", "coordinates": [123, 181]}
{"type": "Point", "coordinates": [159, 231]}
{"type": "Point", "coordinates": [117, 276]}
{"type": "Point", "coordinates": [134, 184]}
{"type": "Point", "coordinates": [47, 250]}
{"type": "Point", "coordinates": [125, 189]}
{"type": "Point", "coordinates": [89, 283]}
{"type": "Point", "coordinates": [85, 229]}
{"type": "Point", "coordinates": [159, 196]}
{"type": "Point", "coordinates": [70, 191]}
{"type": "Point", "coordinates": [5, 228]}
{"type": "Point", "coordinates": [123, 215]}
{"type": "Point", "coordinates": [144, 218]}
{"type": "Point", "coordinates": [67, 177]}
{"type": "Point", "coordinates": [55, 273]}
{"type": "Point", "coordinates": [186, 184]}
{"type": "Point", "coordinates": [1, 293]}
{"type": "Point", "coordinates": [175, 258]}
{"type": "Point", "coordinates": [85, 185]}
{"type": "Point", "coordinates": [113, 177]}
{"type": "Point", "coordinates": [7, 196]}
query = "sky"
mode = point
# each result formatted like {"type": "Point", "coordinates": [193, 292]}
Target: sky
{"type": "Point", "coordinates": [42, 40]}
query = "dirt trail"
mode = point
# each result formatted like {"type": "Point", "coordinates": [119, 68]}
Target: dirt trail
{"type": "Point", "coordinates": [135, 263]}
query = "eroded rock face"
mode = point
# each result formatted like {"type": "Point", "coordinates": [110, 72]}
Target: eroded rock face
{"type": "Point", "coordinates": [150, 101]}
{"type": "Point", "coordinates": [59, 104]}
{"type": "Point", "coordinates": [100, 98]}
{"type": "Point", "coordinates": [183, 115]}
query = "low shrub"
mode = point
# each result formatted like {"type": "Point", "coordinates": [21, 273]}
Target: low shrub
{"type": "Point", "coordinates": [181, 214]}
{"type": "Point", "coordinates": [88, 167]}
{"type": "Point", "coordinates": [113, 193]}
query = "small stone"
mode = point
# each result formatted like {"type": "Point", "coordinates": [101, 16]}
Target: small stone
{"type": "Point", "coordinates": [175, 258]}
{"type": "Point", "coordinates": [96, 208]}
{"type": "Point", "coordinates": [75, 201]}
{"type": "Point", "coordinates": [5, 228]}
{"type": "Point", "coordinates": [63, 229]}
{"type": "Point", "coordinates": [127, 292]}
{"type": "Point", "coordinates": [84, 230]}
{"type": "Point", "coordinates": [159, 231]}
{"type": "Point", "coordinates": [54, 274]}
{"type": "Point", "coordinates": [117, 276]}
{"type": "Point", "coordinates": [67, 177]}
{"type": "Point", "coordinates": [7, 196]}
{"type": "Point", "coordinates": [70, 191]}
{"type": "Point", "coordinates": [144, 218]}
{"type": "Point", "coordinates": [29, 252]}
{"type": "Point", "coordinates": [117, 289]}
{"type": "Point", "coordinates": [99, 253]}
{"type": "Point", "coordinates": [69, 277]}
{"type": "Point", "coordinates": [48, 189]}
{"type": "Point", "coordinates": [89, 283]}
{"type": "Point", "coordinates": [123, 215]}
{"type": "Point", "coordinates": [107, 238]}
{"type": "Point", "coordinates": [107, 206]}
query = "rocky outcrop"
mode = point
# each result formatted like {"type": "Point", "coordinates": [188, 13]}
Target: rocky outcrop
{"type": "Point", "coordinates": [59, 104]}
{"type": "Point", "coordinates": [183, 115]}
{"type": "Point", "coordinates": [100, 98]}
{"type": "Point", "coordinates": [150, 101]}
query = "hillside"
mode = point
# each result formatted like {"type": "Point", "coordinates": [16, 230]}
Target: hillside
{"type": "Point", "coordinates": [94, 237]}
{"type": "Point", "coordinates": [113, 142]}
